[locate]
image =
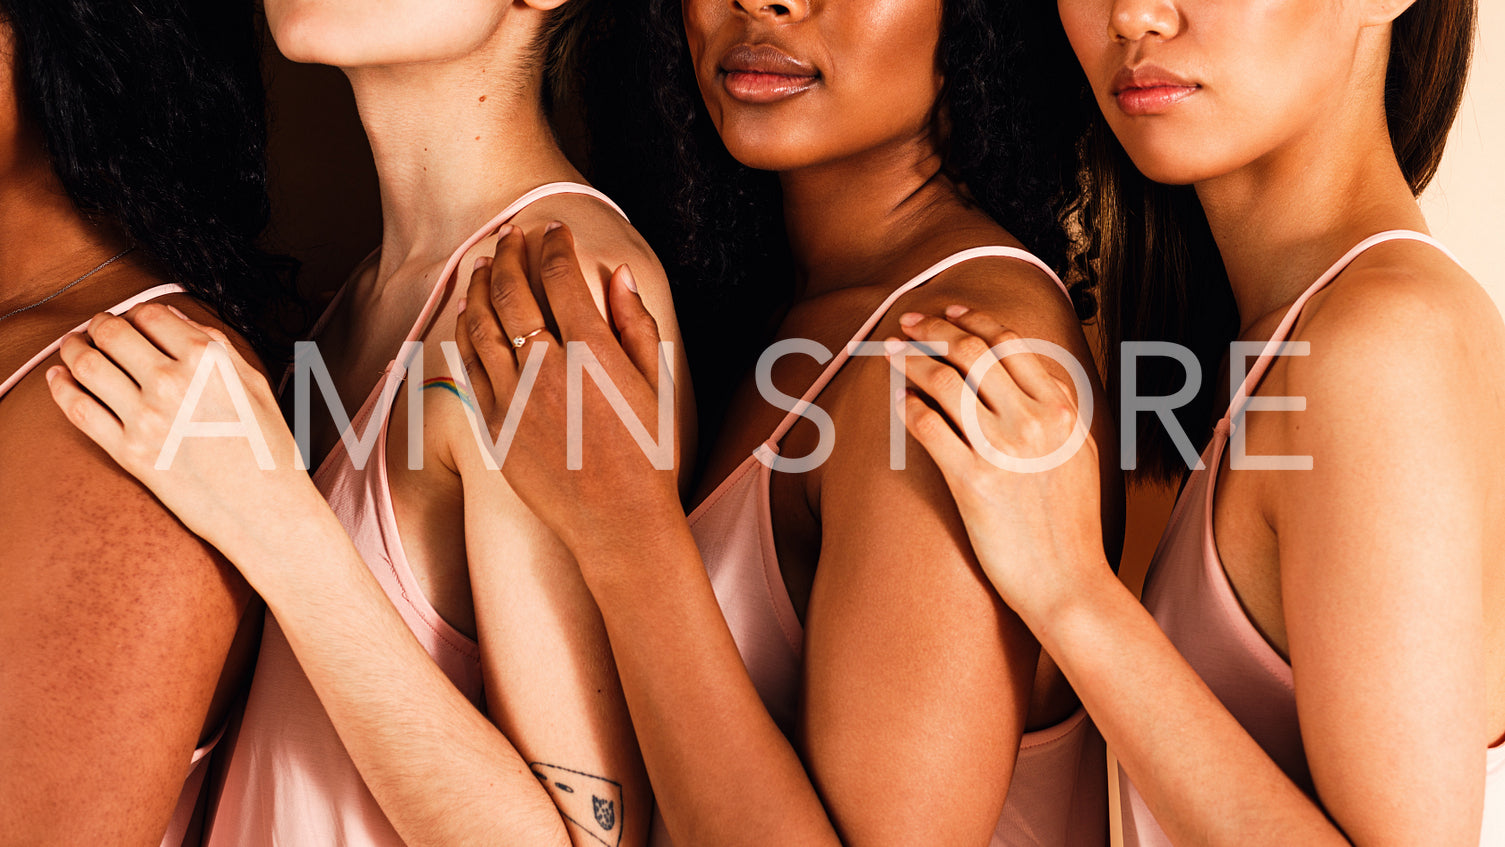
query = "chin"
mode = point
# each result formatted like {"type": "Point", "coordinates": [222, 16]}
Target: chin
{"type": "Point", "coordinates": [300, 35]}
{"type": "Point", "coordinates": [759, 146]}
{"type": "Point", "coordinates": [319, 34]}
{"type": "Point", "coordinates": [761, 142]}
{"type": "Point", "coordinates": [1177, 159]}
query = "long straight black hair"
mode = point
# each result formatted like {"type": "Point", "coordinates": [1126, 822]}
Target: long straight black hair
{"type": "Point", "coordinates": [1161, 276]}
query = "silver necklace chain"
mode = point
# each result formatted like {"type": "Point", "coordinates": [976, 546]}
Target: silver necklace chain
{"type": "Point", "coordinates": [97, 268]}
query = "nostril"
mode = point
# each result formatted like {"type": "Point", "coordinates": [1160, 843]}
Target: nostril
{"type": "Point", "coordinates": [776, 8]}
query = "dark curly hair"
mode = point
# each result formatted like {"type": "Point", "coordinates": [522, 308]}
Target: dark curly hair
{"type": "Point", "coordinates": [1014, 105]}
{"type": "Point", "coordinates": [153, 117]}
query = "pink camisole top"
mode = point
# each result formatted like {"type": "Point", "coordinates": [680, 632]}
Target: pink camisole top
{"type": "Point", "coordinates": [289, 781]}
{"type": "Point", "coordinates": [1058, 795]}
{"type": "Point", "coordinates": [183, 829]}
{"type": "Point", "coordinates": [1188, 593]}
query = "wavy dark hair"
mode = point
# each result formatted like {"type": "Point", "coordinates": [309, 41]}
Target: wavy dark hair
{"type": "Point", "coordinates": [152, 113]}
{"type": "Point", "coordinates": [1162, 276]}
{"type": "Point", "coordinates": [1012, 135]}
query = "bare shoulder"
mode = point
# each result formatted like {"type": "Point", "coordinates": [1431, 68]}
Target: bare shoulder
{"type": "Point", "coordinates": [1404, 350]}
{"type": "Point", "coordinates": [80, 495]}
{"type": "Point", "coordinates": [1020, 295]}
{"type": "Point", "coordinates": [604, 239]}
{"type": "Point", "coordinates": [1403, 316]}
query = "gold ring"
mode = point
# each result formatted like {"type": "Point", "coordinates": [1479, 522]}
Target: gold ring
{"type": "Point", "coordinates": [520, 340]}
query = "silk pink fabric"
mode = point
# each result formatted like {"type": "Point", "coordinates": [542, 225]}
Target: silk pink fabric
{"type": "Point", "coordinates": [289, 780]}
{"type": "Point", "coordinates": [1058, 796]}
{"type": "Point", "coordinates": [1188, 593]}
{"type": "Point", "coordinates": [184, 827]}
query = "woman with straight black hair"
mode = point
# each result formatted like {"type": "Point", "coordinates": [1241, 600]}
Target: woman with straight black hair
{"type": "Point", "coordinates": [1320, 656]}
{"type": "Point", "coordinates": [131, 169]}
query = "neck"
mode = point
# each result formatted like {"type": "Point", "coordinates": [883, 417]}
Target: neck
{"type": "Point", "coordinates": [44, 241]}
{"type": "Point", "coordinates": [1281, 222]}
{"type": "Point", "coordinates": [847, 220]}
{"type": "Point", "coordinates": [453, 142]}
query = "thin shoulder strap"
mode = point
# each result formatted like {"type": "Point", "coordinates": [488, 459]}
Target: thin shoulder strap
{"type": "Point", "coordinates": [923, 277]}
{"type": "Point", "coordinates": [119, 308]}
{"type": "Point", "coordinates": [442, 286]}
{"type": "Point", "coordinates": [1272, 347]}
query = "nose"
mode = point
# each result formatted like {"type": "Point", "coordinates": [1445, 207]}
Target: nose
{"type": "Point", "coordinates": [1132, 20]}
{"type": "Point", "coordinates": [785, 11]}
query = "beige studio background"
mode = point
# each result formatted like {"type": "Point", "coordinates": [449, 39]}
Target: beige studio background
{"type": "Point", "coordinates": [1465, 206]}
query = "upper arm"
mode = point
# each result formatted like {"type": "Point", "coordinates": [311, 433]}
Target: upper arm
{"type": "Point", "coordinates": [1382, 549]}
{"type": "Point", "coordinates": [115, 625]}
{"type": "Point", "coordinates": [916, 676]}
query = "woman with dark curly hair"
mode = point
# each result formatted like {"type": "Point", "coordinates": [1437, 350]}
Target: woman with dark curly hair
{"type": "Point", "coordinates": [814, 656]}
{"type": "Point", "coordinates": [131, 169]}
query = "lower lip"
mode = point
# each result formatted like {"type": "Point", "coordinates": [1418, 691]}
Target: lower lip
{"type": "Point", "coordinates": [1153, 101]}
{"type": "Point", "coordinates": [752, 87]}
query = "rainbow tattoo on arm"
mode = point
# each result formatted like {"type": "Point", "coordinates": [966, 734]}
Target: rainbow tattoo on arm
{"type": "Point", "coordinates": [448, 384]}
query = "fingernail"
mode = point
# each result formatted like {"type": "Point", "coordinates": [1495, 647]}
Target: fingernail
{"type": "Point", "coordinates": [910, 318]}
{"type": "Point", "coordinates": [505, 231]}
{"type": "Point", "coordinates": [553, 226]}
{"type": "Point", "coordinates": [483, 262]}
{"type": "Point", "coordinates": [899, 396]}
{"type": "Point", "coordinates": [632, 284]}
{"type": "Point", "coordinates": [956, 311]}
{"type": "Point", "coordinates": [175, 311]}
{"type": "Point", "coordinates": [462, 305]}
{"type": "Point", "coordinates": [893, 346]}
{"type": "Point", "coordinates": [52, 373]}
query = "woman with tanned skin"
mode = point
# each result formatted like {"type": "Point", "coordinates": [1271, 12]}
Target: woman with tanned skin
{"type": "Point", "coordinates": [131, 169]}
{"type": "Point", "coordinates": [812, 657]}
{"type": "Point", "coordinates": [362, 723]}
{"type": "Point", "coordinates": [1323, 657]}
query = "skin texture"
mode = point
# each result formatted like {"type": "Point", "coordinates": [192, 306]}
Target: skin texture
{"type": "Point", "coordinates": [116, 623]}
{"type": "Point", "coordinates": [1377, 573]}
{"type": "Point", "coordinates": [894, 607]}
{"type": "Point", "coordinates": [458, 133]}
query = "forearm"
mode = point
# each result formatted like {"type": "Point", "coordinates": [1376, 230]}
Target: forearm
{"type": "Point", "coordinates": [441, 772]}
{"type": "Point", "coordinates": [722, 771]}
{"type": "Point", "coordinates": [1169, 731]}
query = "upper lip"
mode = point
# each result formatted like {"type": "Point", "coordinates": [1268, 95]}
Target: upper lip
{"type": "Point", "coordinates": [764, 59]}
{"type": "Point", "coordinates": [1147, 76]}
